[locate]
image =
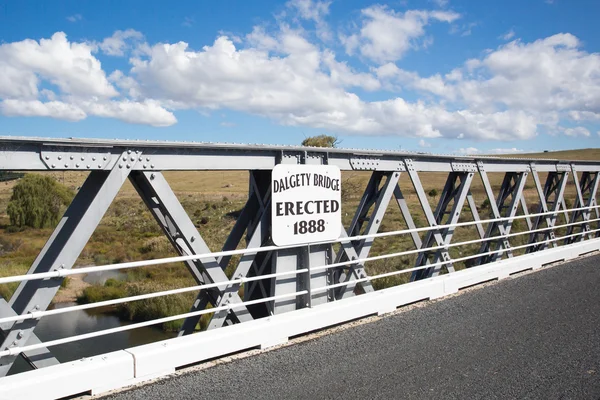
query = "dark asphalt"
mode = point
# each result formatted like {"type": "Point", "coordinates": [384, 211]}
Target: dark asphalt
{"type": "Point", "coordinates": [533, 337]}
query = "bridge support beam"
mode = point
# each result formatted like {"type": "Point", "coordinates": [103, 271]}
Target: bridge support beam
{"type": "Point", "coordinates": [60, 252]}
{"type": "Point", "coordinates": [455, 192]}
{"type": "Point", "coordinates": [551, 198]}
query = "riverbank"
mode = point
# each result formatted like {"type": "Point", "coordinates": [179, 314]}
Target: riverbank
{"type": "Point", "coordinates": [71, 290]}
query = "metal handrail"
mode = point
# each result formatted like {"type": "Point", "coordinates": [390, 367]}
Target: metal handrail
{"type": "Point", "coordinates": [59, 273]}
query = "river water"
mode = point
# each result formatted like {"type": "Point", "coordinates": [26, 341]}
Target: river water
{"type": "Point", "coordinates": [80, 322]}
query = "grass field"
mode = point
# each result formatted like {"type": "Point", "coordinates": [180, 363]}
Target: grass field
{"type": "Point", "coordinates": [129, 233]}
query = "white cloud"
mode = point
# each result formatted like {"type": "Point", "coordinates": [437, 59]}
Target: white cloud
{"type": "Point", "coordinates": [512, 150]}
{"type": "Point", "coordinates": [81, 82]}
{"type": "Point", "coordinates": [584, 116]}
{"type": "Point", "coordinates": [497, 151]}
{"type": "Point", "coordinates": [70, 66]}
{"type": "Point", "coordinates": [550, 74]}
{"type": "Point", "coordinates": [508, 35]}
{"type": "Point", "coordinates": [507, 94]}
{"type": "Point", "coordinates": [74, 18]}
{"type": "Point", "coordinates": [35, 108]}
{"type": "Point", "coordinates": [294, 88]}
{"type": "Point", "coordinates": [147, 112]}
{"type": "Point", "coordinates": [117, 43]}
{"type": "Point", "coordinates": [343, 75]}
{"type": "Point", "coordinates": [423, 143]}
{"type": "Point", "coordinates": [441, 3]}
{"type": "Point", "coordinates": [386, 35]}
{"type": "Point", "coordinates": [315, 11]}
{"type": "Point", "coordinates": [547, 80]}
{"type": "Point", "coordinates": [468, 150]}
{"type": "Point", "coordinates": [578, 131]}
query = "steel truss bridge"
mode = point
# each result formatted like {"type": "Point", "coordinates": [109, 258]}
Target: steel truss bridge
{"type": "Point", "coordinates": [287, 290]}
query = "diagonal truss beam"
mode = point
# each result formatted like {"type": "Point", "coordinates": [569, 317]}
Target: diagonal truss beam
{"type": "Point", "coordinates": [185, 238]}
{"type": "Point", "coordinates": [36, 358]}
{"type": "Point", "coordinates": [454, 194]}
{"type": "Point", "coordinates": [551, 198]}
{"type": "Point", "coordinates": [60, 252]}
{"type": "Point", "coordinates": [586, 193]}
{"type": "Point", "coordinates": [378, 198]}
{"type": "Point", "coordinates": [250, 263]}
{"type": "Point", "coordinates": [505, 206]}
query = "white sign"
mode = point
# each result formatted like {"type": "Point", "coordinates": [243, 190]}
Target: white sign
{"type": "Point", "coordinates": [305, 203]}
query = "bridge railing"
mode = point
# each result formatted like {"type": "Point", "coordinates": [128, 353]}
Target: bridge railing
{"type": "Point", "coordinates": [332, 281]}
{"type": "Point", "coordinates": [222, 285]}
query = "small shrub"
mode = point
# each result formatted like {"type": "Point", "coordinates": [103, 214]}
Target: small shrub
{"type": "Point", "coordinates": [37, 201]}
{"type": "Point", "coordinates": [65, 282]}
{"type": "Point", "coordinates": [157, 307]}
{"type": "Point", "coordinates": [158, 244]}
{"type": "Point", "coordinates": [321, 141]}
{"type": "Point", "coordinates": [96, 293]}
{"type": "Point", "coordinates": [433, 193]}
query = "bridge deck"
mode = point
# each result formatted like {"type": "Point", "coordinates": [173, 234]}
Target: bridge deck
{"type": "Point", "coordinates": [533, 337]}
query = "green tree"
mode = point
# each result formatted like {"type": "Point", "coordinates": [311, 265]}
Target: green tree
{"type": "Point", "coordinates": [433, 193]}
{"type": "Point", "coordinates": [37, 201]}
{"type": "Point", "coordinates": [321, 141]}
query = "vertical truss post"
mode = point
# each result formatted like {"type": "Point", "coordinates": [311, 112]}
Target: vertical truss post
{"type": "Point", "coordinates": [550, 201]}
{"type": "Point", "coordinates": [586, 194]}
{"type": "Point", "coordinates": [511, 188]}
{"type": "Point", "coordinates": [257, 213]}
{"type": "Point", "coordinates": [185, 238]}
{"type": "Point", "coordinates": [60, 252]}
{"type": "Point", "coordinates": [455, 193]}
{"type": "Point", "coordinates": [378, 198]}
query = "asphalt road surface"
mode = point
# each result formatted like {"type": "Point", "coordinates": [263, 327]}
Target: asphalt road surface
{"type": "Point", "coordinates": [536, 336]}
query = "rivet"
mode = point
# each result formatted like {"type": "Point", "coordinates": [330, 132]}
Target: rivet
{"type": "Point", "coordinates": [47, 158]}
{"type": "Point", "coordinates": [124, 158]}
{"type": "Point", "coordinates": [66, 165]}
{"type": "Point", "coordinates": [93, 158]}
{"type": "Point", "coordinates": [99, 165]}
{"type": "Point", "coordinates": [144, 165]}
{"type": "Point", "coordinates": [77, 165]}
{"type": "Point", "coordinates": [82, 158]}
{"type": "Point", "coordinates": [132, 158]}
{"type": "Point", "coordinates": [152, 166]}
{"type": "Point", "coordinates": [151, 176]}
{"type": "Point", "coordinates": [147, 158]}
{"type": "Point", "coordinates": [53, 166]}
{"type": "Point", "coordinates": [120, 165]}
{"type": "Point", "coordinates": [20, 335]}
{"type": "Point", "coordinates": [128, 165]}
{"type": "Point", "coordinates": [60, 157]}
{"type": "Point", "coordinates": [104, 158]}
{"type": "Point", "coordinates": [192, 239]}
{"type": "Point", "coordinates": [140, 159]}
{"type": "Point", "coordinates": [128, 151]}
{"type": "Point", "coordinates": [88, 166]}
{"type": "Point", "coordinates": [71, 157]}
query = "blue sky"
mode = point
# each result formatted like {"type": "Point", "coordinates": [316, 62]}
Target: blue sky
{"type": "Point", "coordinates": [435, 75]}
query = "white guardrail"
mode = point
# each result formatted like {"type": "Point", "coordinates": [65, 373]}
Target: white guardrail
{"type": "Point", "coordinates": [129, 366]}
